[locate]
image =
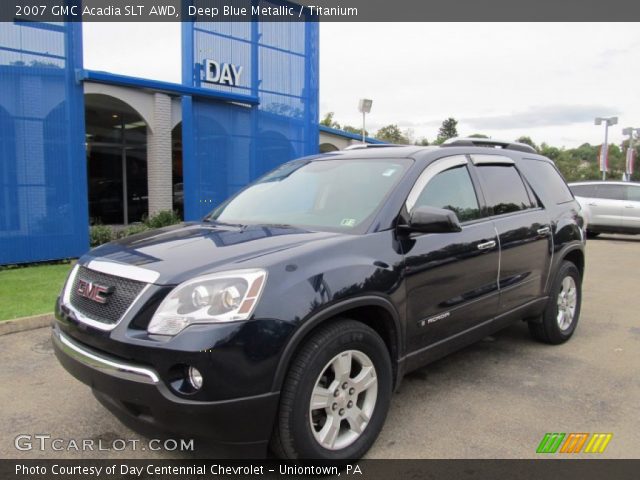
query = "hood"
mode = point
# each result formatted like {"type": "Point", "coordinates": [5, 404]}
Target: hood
{"type": "Point", "coordinates": [184, 251]}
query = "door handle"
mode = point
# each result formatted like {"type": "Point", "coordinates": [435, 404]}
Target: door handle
{"type": "Point", "coordinates": [543, 230]}
{"type": "Point", "coordinates": [592, 204]}
{"type": "Point", "coordinates": [487, 245]}
{"type": "Point", "coordinates": [628, 206]}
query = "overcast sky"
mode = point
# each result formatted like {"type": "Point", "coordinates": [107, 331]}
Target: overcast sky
{"type": "Point", "coordinates": [545, 80]}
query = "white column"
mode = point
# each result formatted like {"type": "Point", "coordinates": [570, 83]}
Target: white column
{"type": "Point", "coordinates": [159, 174]}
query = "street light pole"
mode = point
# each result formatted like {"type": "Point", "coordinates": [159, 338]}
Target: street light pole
{"type": "Point", "coordinates": [604, 151]}
{"type": "Point", "coordinates": [365, 107]}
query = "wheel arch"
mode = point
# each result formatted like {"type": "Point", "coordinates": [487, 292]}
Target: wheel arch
{"type": "Point", "coordinates": [575, 256]}
{"type": "Point", "coordinates": [373, 311]}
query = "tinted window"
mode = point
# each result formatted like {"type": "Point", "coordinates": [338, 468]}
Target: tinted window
{"type": "Point", "coordinates": [610, 192]}
{"type": "Point", "coordinates": [583, 190]}
{"type": "Point", "coordinates": [453, 190]}
{"type": "Point", "coordinates": [546, 181]}
{"type": "Point", "coordinates": [503, 189]}
{"type": "Point", "coordinates": [633, 193]}
{"type": "Point", "coordinates": [327, 195]}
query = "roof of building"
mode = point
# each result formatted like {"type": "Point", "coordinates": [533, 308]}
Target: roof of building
{"type": "Point", "coordinates": [349, 135]}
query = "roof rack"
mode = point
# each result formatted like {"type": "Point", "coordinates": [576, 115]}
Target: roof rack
{"type": "Point", "coordinates": [488, 142]}
{"type": "Point", "coordinates": [359, 146]}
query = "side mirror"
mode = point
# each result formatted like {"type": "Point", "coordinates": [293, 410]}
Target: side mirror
{"type": "Point", "coordinates": [433, 220]}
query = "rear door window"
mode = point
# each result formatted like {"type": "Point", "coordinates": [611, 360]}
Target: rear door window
{"type": "Point", "coordinates": [546, 181]}
{"type": "Point", "coordinates": [610, 192]}
{"type": "Point", "coordinates": [504, 189]}
{"type": "Point", "coordinates": [633, 193]}
{"type": "Point", "coordinates": [584, 190]}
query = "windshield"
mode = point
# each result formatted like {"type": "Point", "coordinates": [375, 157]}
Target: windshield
{"type": "Point", "coordinates": [333, 195]}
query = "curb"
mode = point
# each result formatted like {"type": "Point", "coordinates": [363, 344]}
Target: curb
{"type": "Point", "coordinates": [25, 323]}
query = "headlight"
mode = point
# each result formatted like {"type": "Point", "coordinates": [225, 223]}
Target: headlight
{"type": "Point", "coordinates": [215, 298]}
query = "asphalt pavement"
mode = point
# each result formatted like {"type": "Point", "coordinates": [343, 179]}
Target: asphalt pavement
{"type": "Point", "coordinates": [495, 399]}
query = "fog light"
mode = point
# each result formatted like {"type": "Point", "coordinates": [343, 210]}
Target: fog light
{"type": "Point", "coordinates": [195, 378]}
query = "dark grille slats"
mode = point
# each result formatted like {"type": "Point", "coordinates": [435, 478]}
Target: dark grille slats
{"type": "Point", "coordinates": [124, 293]}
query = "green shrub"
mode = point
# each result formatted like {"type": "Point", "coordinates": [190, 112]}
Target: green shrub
{"type": "Point", "coordinates": [99, 234]}
{"type": "Point", "coordinates": [134, 229]}
{"type": "Point", "coordinates": [162, 219]}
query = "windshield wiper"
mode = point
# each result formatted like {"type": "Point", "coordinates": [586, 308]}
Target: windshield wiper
{"type": "Point", "coordinates": [225, 224]}
{"type": "Point", "coordinates": [275, 225]}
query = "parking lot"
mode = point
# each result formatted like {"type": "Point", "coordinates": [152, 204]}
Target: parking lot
{"type": "Point", "coordinates": [495, 399]}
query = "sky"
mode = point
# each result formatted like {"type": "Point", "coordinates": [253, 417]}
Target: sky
{"type": "Point", "coordinates": [544, 80]}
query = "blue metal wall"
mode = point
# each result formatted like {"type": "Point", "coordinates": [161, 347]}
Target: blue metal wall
{"type": "Point", "coordinates": [43, 179]}
{"type": "Point", "coordinates": [43, 185]}
{"type": "Point", "coordinates": [227, 145]}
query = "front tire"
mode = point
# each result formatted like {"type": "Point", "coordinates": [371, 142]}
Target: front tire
{"type": "Point", "coordinates": [561, 315]}
{"type": "Point", "coordinates": [336, 395]}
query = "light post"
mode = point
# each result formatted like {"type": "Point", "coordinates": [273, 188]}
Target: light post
{"type": "Point", "coordinates": [364, 106]}
{"type": "Point", "coordinates": [604, 151]}
{"type": "Point", "coordinates": [628, 171]}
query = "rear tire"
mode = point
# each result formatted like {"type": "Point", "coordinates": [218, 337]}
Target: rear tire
{"type": "Point", "coordinates": [335, 397]}
{"type": "Point", "coordinates": [561, 315]}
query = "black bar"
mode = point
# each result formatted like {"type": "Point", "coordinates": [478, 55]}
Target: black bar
{"type": "Point", "coordinates": [320, 10]}
{"type": "Point", "coordinates": [566, 469]}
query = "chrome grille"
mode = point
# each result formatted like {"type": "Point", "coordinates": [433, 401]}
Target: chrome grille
{"type": "Point", "coordinates": [124, 293]}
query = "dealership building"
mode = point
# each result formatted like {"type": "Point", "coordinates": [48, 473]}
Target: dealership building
{"type": "Point", "coordinates": [80, 146]}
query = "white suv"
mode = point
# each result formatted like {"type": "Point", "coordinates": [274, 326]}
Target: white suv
{"type": "Point", "coordinates": [609, 207]}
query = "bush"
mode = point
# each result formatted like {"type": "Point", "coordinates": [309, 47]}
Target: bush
{"type": "Point", "coordinates": [13, 266]}
{"type": "Point", "coordinates": [134, 229]}
{"type": "Point", "coordinates": [162, 219]}
{"type": "Point", "coordinates": [99, 234]}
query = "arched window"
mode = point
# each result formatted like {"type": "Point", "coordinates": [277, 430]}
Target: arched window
{"type": "Point", "coordinates": [116, 136]}
{"type": "Point", "coordinates": [328, 147]}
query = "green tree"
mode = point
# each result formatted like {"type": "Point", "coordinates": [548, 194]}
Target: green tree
{"type": "Point", "coordinates": [423, 142]}
{"type": "Point", "coordinates": [392, 134]}
{"type": "Point", "coordinates": [527, 141]}
{"type": "Point", "coordinates": [448, 129]}
{"type": "Point", "coordinates": [548, 151]}
{"type": "Point", "coordinates": [356, 130]}
{"type": "Point", "coordinates": [328, 121]}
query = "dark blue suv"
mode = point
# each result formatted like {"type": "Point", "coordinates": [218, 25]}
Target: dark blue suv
{"type": "Point", "coordinates": [288, 316]}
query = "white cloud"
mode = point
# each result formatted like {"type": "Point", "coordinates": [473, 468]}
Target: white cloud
{"type": "Point", "coordinates": [147, 50]}
{"type": "Point", "coordinates": [541, 116]}
{"type": "Point", "coordinates": [545, 80]}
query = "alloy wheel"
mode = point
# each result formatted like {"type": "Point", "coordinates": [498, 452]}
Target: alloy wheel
{"type": "Point", "coordinates": [567, 301]}
{"type": "Point", "coordinates": [343, 399]}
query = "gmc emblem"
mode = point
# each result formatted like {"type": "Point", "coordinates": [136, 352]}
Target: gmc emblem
{"type": "Point", "coordinates": [93, 291]}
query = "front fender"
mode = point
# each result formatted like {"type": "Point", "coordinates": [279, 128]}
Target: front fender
{"type": "Point", "coordinates": [324, 315]}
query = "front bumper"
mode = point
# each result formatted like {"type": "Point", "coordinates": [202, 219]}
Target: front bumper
{"type": "Point", "coordinates": [139, 398]}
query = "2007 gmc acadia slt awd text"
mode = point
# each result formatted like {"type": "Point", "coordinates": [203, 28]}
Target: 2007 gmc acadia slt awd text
{"type": "Point", "coordinates": [288, 315]}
